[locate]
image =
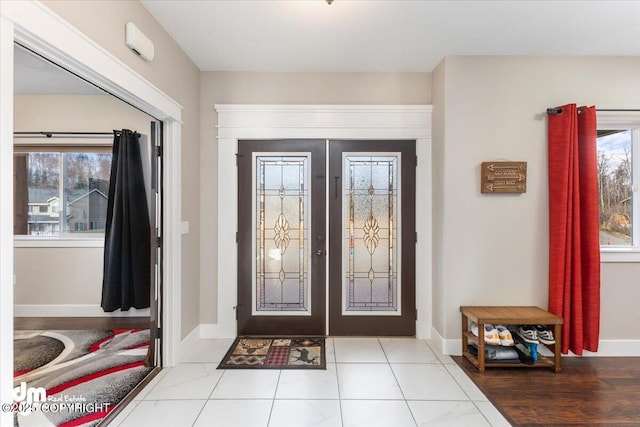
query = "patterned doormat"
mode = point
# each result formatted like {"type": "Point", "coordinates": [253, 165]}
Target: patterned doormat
{"type": "Point", "coordinates": [275, 353]}
{"type": "Point", "coordinates": [80, 375]}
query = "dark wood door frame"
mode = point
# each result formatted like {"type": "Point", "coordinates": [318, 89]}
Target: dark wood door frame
{"type": "Point", "coordinates": [315, 324]}
{"type": "Point", "coordinates": [404, 325]}
{"type": "Point", "coordinates": [154, 356]}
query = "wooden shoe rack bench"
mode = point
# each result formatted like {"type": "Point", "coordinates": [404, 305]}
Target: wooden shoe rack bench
{"type": "Point", "coordinates": [508, 316]}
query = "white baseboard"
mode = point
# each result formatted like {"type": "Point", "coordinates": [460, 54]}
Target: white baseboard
{"type": "Point", "coordinates": [208, 330]}
{"type": "Point", "coordinates": [188, 343]}
{"type": "Point", "coordinates": [451, 347]}
{"type": "Point", "coordinates": [72, 310]}
{"type": "Point", "coordinates": [203, 330]}
{"type": "Point", "coordinates": [606, 348]}
{"type": "Point", "coordinates": [616, 348]}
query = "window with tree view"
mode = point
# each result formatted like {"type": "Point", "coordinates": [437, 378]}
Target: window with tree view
{"type": "Point", "coordinates": [60, 192]}
{"type": "Point", "coordinates": [615, 186]}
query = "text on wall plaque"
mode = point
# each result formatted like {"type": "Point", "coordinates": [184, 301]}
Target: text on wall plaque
{"type": "Point", "coordinates": [504, 177]}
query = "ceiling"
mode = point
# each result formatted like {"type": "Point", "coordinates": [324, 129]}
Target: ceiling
{"type": "Point", "coordinates": [34, 75]}
{"type": "Point", "coordinates": [391, 35]}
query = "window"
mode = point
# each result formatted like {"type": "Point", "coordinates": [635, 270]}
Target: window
{"type": "Point", "coordinates": [615, 187]}
{"type": "Point", "coordinates": [618, 163]}
{"type": "Point", "coordinates": [61, 193]}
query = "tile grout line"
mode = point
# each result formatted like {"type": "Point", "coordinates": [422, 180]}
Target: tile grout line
{"type": "Point", "coordinates": [217, 382]}
{"type": "Point", "coordinates": [209, 396]}
{"type": "Point", "coordinates": [199, 413]}
{"type": "Point", "coordinates": [273, 401]}
{"type": "Point", "coordinates": [466, 393]}
{"type": "Point", "coordinates": [335, 358]}
{"type": "Point", "coordinates": [163, 372]}
{"type": "Point", "coordinates": [404, 398]}
{"type": "Point", "coordinates": [136, 403]}
{"type": "Point", "coordinates": [482, 413]}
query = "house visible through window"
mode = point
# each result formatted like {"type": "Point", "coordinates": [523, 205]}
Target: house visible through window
{"type": "Point", "coordinates": [616, 182]}
{"type": "Point", "coordinates": [60, 192]}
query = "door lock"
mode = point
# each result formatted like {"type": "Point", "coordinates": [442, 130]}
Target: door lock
{"type": "Point", "coordinates": [319, 252]}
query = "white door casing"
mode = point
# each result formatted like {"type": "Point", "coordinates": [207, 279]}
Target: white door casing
{"type": "Point", "coordinates": [382, 122]}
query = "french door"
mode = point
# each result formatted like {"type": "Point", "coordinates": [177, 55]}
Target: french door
{"type": "Point", "coordinates": [284, 195]}
{"type": "Point", "coordinates": [281, 237]}
{"type": "Point", "coordinates": [372, 238]}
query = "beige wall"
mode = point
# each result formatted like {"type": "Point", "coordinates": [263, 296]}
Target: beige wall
{"type": "Point", "coordinates": [280, 88]}
{"type": "Point", "coordinates": [76, 113]}
{"type": "Point", "coordinates": [494, 247]}
{"type": "Point", "coordinates": [437, 173]}
{"type": "Point", "coordinates": [58, 276]}
{"type": "Point", "coordinates": [174, 73]}
{"type": "Point", "coordinates": [67, 275]}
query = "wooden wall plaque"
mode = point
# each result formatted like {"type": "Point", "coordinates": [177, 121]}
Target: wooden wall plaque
{"type": "Point", "coordinates": [504, 177]}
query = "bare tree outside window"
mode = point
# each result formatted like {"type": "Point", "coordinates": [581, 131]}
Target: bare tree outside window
{"type": "Point", "coordinates": [615, 187]}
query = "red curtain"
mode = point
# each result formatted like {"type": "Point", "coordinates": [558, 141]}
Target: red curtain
{"type": "Point", "coordinates": [574, 231]}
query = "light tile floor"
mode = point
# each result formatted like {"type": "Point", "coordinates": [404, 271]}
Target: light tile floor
{"type": "Point", "coordinates": [368, 382]}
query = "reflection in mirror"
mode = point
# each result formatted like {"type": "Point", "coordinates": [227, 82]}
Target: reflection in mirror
{"type": "Point", "coordinates": [62, 159]}
{"type": "Point", "coordinates": [35, 75]}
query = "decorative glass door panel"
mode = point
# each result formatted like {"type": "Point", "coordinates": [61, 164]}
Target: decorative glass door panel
{"type": "Point", "coordinates": [281, 234]}
{"type": "Point", "coordinates": [371, 238]}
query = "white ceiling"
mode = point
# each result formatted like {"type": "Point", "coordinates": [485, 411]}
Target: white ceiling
{"type": "Point", "coordinates": [391, 35]}
{"type": "Point", "coordinates": [34, 75]}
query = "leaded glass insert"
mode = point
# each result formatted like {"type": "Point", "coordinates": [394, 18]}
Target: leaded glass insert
{"type": "Point", "coordinates": [281, 235]}
{"type": "Point", "coordinates": [371, 235]}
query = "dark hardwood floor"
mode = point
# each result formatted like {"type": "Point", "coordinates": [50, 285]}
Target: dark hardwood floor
{"type": "Point", "coordinates": [589, 391]}
{"type": "Point", "coordinates": [39, 323]}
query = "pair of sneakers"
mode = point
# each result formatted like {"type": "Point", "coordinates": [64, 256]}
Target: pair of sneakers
{"type": "Point", "coordinates": [536, 333]}
{"type": "Point", "coordinates": [498, 335]}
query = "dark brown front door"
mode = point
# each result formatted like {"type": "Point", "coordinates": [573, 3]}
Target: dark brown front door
{"type": "Point", "coordinates": [372, 238]}
{"type": "Point", "coordinates": [282, 205]}
{"type": "Point", "coordinates": [281, 237]}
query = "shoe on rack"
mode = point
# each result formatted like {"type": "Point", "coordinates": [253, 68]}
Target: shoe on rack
{"type": "Point", "coordinates": [505, 336]}
{"type": "Point", "coordinates": [545, 336]}
{"type": "Point", "coordinates": [524, 354]}
{"type": "Point", "coordinates": [490, 333]}
{"type": "Point", "coordinates": [528, 333]}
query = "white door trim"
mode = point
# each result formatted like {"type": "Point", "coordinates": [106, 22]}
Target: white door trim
{"type": "Point", "coordinates": [38, 28]}
{"type": "Point", "coordinates": [319, 122]}
{"type": "Point", "coordinates": [6, 217]}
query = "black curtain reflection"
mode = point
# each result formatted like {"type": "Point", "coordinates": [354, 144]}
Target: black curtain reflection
{"type": "Point", "coordinates": [127, 278]}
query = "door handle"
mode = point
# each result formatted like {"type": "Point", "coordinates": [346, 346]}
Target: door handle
{"type": "Point", "coordinates": [319, 252]}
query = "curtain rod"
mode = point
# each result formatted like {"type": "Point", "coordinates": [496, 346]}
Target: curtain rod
{"type": "Point", "coordinates": [558, 110]}
{"type": "Point", "coordinates": [49, 134]}
{"type": "Point", "coordinates": [616, 110]}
